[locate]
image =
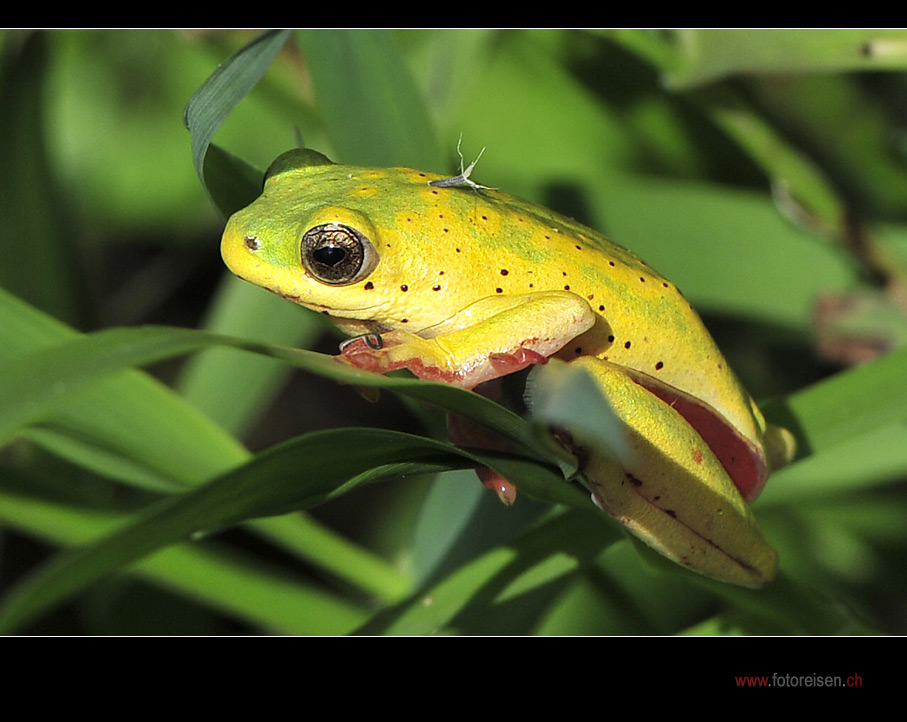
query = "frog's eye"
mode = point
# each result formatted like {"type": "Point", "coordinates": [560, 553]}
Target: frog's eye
{"type": "Point", "coordinates": [337, 255]}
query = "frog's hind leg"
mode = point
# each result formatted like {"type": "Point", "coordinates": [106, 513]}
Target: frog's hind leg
{"type": "Point", "coordinates": [668, 488]}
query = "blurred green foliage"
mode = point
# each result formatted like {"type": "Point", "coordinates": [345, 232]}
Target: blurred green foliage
{"type": "Point", "coordinates": [765, 172]}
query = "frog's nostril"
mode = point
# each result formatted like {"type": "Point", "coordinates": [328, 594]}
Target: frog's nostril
{"type": "Point", "coordinates": [252, 243]}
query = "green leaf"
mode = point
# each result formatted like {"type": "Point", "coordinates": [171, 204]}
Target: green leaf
{"type": "Point", "coordinates": [296, 474]}
{"type": "Point", "coordinates": [729, 251]}
{"type": "Point", "coordinates": [238, 310]}
{"type": "Point", "coordinates": [38, 259]}
{"type": "Point", "coordinates": [484, 596]}
{"type": "Point", "coordinates": [131, 428]}
{"type": "Point", "coordinates": [222, 92]}
{"type": "Point", "coordinates": [32, 387]}
{"type": "Point", "coordinates": [800, 188]}
{"type": "Point", "coordinates": [708, 54]}
{"type": "Point", "coordinates": [126, 419]}
{"type": "Point", "coordinates": [565, 396]}
{"type": "Point", "coordinates": [230, 181]}
{"type": "Point", "coordinates": [231, 583]}
{"type": "Point", "coordinates": [370, 104]}
{"type": "Point", "coordinates": [847, 405]}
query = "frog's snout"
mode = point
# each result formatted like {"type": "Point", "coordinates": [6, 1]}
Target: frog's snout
{"type": "Point", "coordinates": [236, 247]}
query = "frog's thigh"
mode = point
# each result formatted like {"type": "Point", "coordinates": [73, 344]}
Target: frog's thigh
{"type": "Point", "coordinates": [670, 490]}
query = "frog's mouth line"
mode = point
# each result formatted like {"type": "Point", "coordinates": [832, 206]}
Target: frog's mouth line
{"type": "Point", "coordinates": [331, 310]}
{"type": "Point", "coordinates": [338, 315]}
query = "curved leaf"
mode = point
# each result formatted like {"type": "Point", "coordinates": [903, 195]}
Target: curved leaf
{"type": "Point", "coordinates": [223, 91]}
{"type": "Point", "coordinates": [31, 387]}
{"type": "Point", "coordinates": [294, 475]}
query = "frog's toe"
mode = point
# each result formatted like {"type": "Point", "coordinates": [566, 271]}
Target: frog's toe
{"type": "Point", "coordinates": [508, 363]}
{"type": "Point", "coordinates": [358, 344]}
{"type": "Point", "coordinates": [498, 484]}
{"type": "Point", "coordinates": [366, 352]}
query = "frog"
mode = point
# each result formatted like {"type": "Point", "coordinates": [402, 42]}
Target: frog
{"type": "Point", "coordinates": [464, 284]}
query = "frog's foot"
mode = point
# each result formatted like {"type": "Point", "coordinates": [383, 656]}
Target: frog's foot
{"type": "Point", "coordinates": [397, 350]}
{"type": "Point", "coordinates": [433, 359]}
{"type": "Point", "coordinates": [498, 484]}
{"type": "Point", "coordinates": [780, 446]}
{"type": "Point", "coordinates": [466, 433]}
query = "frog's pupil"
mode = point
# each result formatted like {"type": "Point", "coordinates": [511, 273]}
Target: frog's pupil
{"type": "Point", "coordinates": [329, 255]}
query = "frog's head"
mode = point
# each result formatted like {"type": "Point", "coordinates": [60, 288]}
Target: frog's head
{"type": "Point", "coordinates": [330, 237]}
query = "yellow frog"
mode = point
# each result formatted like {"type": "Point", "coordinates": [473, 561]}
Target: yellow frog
{"type": "Point", "coordinates": [463, 284]}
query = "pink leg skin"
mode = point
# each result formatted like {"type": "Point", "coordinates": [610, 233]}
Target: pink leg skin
{"type": "Point", "coordinates": [357, 352]}
{"type": "Point", "coordinates": [479, 437]}
{"type": "Point", "coordinates": [498, 484]}
{"type": "Point", "coordinates": [360, 353]}
{"type": "Point", "coordinates": [511, 363]}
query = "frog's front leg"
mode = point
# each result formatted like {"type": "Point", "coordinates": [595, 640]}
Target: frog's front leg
{"type": "Point", "coordinates": [670, 490]}
{"type": "Point", "coordinates": [493, 338]}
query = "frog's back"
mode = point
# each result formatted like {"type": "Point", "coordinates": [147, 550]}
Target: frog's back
{"type": "Point", "coordinates": [644, 322]}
